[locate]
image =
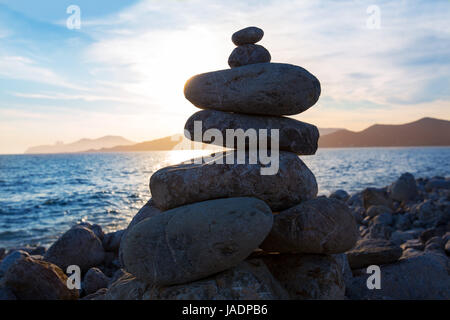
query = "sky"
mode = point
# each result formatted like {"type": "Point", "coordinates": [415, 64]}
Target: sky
{"type": "Point", "coordinates": [122, 72]}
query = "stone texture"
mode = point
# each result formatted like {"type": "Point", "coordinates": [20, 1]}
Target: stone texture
{"type": "Point", "coordinates": [340, 195]}
{"type": "Point", "coordinates": [94, 280]}
{"type": "Point", "coordinates": [320, 225]}
{"type": "Point", "coordinates": [196, 241]}
{"type": "Point", "coordinates": [404, 188]}
{"type": "Point", "coordinates": [126, 287]}
{"type": "Point", "coordinates": [294, 136]}
{"type": "Point", "coordinates": [147, 211]}
{"type": "Point", "coordinates": [111, 241]}
{"type": "Point", "coordinates": [31, 279]}
{"type": "Point", "coordinates": [248, 54]}
{"type": "Point", "coordinates": [308, 277]}
{"type": "Point", "coordinates": [9, 260]}
{"type": "Point", "coordinates": [373, 251]}
{"type": "Point", "coordinates": [247, 35]}
{"type": "Point", "coordinates": [99, 295]}
{"type": "Point", "coordinates": [344, 267]}
{"type": "Point", "coordinates": [415, 244]}
{"type": "Point", "coordinates": [78, 246]}
{"type": "Point", "coordinates": [374, 196]}
{"type": "Point", "coordinates": [191, 182]}
{"type": "Point", "coordinates": [265, 88]}
{"type": "Point", "coordinates": [250, 280]}
{"type": "Point", "coordinates": [421, 276]}
{"type": "Point", "coordinates": [437, 183]}
{"type": "Point", "coordinates": [375, 210]}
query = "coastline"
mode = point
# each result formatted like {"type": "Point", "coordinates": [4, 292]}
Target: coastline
{"type": "Point", "coordinates": [417, 227]}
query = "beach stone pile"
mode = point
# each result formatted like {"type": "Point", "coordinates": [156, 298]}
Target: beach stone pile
{"type": "Point", "coordinates": [219, 229]}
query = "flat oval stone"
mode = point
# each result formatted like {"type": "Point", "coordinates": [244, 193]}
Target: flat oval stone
{"type": "Point", "coordinates": [272, 89]}
{"type": "Point", "coordinates": [373, 251]}
{"type": "Point", "coordinates": [221, 176]}
{"type": "Point", "coordinates": [247, 35]}
{"type": "Point", "coordinates": [248, 54]}
{"type": "Point", "coordinates": [321, 226]}
{"type": "Point", "coordinates": [195, 241]}
{"type": "Point", "coordinates": [294, 136]}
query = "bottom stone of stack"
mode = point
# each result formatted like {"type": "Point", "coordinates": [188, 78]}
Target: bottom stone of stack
{"type": "Point", "coordinates": [250, 280]}
{"type": "Point", "coordinates": [308, 276]}
{"type": "Point", "coordinates": [195, 241]}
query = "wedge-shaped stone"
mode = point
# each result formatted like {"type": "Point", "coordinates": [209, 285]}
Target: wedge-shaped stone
{"type": "Point", "coordinates": [294, 136]}
{"type": "Point", "coordinates": [288, 180]}
{"type": "Point", "coordinates": [196, 241]}
{"type": "Point", "coordinates": [265, 88]}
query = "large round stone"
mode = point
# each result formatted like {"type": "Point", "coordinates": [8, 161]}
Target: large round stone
{"type": "Point", "coordinates": [264, 88]}
{"type": "Point", "coordinates": [294, 136]}
{"type": "Point", "coordinates": [248, 54]}
{"type": "Point", "coordinates": [78, 246]}
{"type": "Point", "coordinates": [147, 211]}
{"type": "Point", "coordinates": [247, 35]}
{"type": "Point", "coordinates": [196, 241]}
{"type": "Point", "coordinates": [221, 176]}
{"type": "Point", "coordinates": [320, 225]}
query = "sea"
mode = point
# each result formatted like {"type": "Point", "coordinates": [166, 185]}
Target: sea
{"type": "Point", "coordinates": [42, 196]}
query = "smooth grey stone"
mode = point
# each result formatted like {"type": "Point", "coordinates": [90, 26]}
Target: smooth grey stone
{"type": "Point", "coordinates": [309, 276]}
{"type": "Point", "coordinates": [78, 246]}
{"type": "Point", "coordinates": [420, 276]}
{"type": "Point", "coordinates": [111, 241]}
{"type": "Point", "coordinates": [248, 54]}
{"type": "Point", "coordinates": [373, 251]}
{"type": "Point", "coordinates": [340, 195]}
{"type": "Point", "coordinates": [376, 210]}
{"type": "Point", "coordinates": [195, 241]}
{"type": "Point", "coordinates": [94, 280]}
{"type": "Point", "coordinates": [404, 188]}
{"type": "Point", "coordinates": [437, 183]}
{"type": "Point", "coordinates": [321, 226]}
{"type": "Point", "coordinates": [31, 279]}
{"type": "Point", "coordinates": [272, 89]}
{"type": "Point", "coordinates": [294, 136]}
{"type": "Point", "coordinates": [247, 35]}
{"type": "Point", "coordinates": [147, 211]}
{"type": "Point", "coordinates": [205, 179]}
{"type": "Point", "coordinates": [9, 260]}
{"type": "Point", "coordinates": [375, 196]}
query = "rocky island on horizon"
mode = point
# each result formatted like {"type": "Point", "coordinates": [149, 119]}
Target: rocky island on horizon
{"type": "Point", "coordinates": [423, 132]}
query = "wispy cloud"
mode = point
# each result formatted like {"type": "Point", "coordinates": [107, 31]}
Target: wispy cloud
{"type": "Point", "coordinates": [133, 61]}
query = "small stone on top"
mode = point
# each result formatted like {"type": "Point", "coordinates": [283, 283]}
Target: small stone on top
{"type": "Point", "coordinates": [249, 35]}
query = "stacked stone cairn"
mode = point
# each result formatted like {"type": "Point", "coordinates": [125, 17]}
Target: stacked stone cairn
{"type": "Point", "coordinates": [221, 229]}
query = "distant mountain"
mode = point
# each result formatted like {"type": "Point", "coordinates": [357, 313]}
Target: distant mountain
{"type": "Point", "coordinates": [81, 145]}
{"type": "Point", "coordinates": [175, 142]}
{"type": "Point", "coordinates": [325, 131]}
{"type": "Point", "coordinates": [423, 132]}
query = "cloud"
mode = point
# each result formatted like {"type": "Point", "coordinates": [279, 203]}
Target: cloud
{"type": "Point", "coordinates": [134, 62]}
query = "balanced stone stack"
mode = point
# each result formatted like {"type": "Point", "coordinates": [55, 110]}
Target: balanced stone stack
{"type": "Point", "coordinates": [214, 216]}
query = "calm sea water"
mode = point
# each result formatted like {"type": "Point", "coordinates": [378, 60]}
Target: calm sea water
{"type": "Point", "coordinates": [41, 196]}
